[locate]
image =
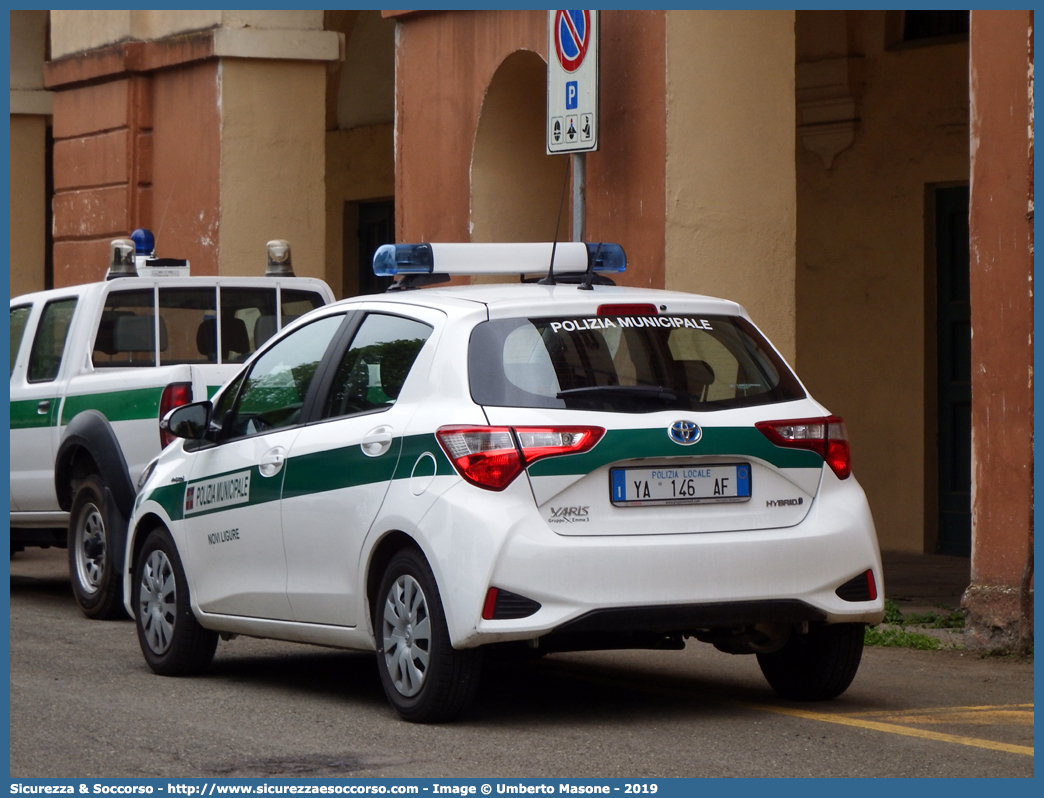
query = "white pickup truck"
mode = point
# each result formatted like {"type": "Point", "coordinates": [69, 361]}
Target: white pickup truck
{"type": "Point", "coordinates": [94, 367]}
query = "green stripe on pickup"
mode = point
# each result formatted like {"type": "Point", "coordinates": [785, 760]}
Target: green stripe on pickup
{"type": "Point", "coordinates": [632, 443]}
{"type": "Point", "coordinates": [25, 414]}
{"type": "Point", "coordinates": [116, 405]}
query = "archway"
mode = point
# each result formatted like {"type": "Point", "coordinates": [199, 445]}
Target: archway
{"type": "Point", "coordinates": [516, 188]}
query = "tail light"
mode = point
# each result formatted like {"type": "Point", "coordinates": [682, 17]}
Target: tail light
{"type": "Point", "coordinates": [827, 437]}
{"type": "Point", "coordinates": [174, 395]}
{"type": "Point", "coordinates": [491, 457]}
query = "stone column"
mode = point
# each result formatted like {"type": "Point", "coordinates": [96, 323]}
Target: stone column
{"type": "Point", "coordinates": [999, 599]}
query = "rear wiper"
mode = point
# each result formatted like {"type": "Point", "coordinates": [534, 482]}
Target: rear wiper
{"type": "Point", "coordinates": [637, 391]}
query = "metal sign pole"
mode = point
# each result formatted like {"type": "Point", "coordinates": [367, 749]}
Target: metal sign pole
{"type": "Point", "coordinates": [579, 195]}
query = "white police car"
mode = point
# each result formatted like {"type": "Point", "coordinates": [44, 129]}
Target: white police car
{"type": "Point", "coordinates": [550, 467]}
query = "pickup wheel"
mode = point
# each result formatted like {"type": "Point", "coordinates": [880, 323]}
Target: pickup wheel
{"type": "Point", "coordinates": [93, 559]}
{"type": "Point", "coordinates": [173, 642]}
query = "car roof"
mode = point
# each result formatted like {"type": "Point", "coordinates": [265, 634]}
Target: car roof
{"type": "Point", "coordinates": [505, 300]}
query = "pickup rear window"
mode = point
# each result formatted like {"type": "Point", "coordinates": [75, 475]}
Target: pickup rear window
{"type": "Point", "coordinates": [187, 324]}
{"type": "Point", "coordinates": [635, 364]}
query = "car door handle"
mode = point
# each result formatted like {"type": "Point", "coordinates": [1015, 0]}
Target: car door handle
{"type": "Point", "coordinates": [377, 441]}
{"type": "Point", "coordinates": [272, 462]}
{"type": "Point", "coordinates": [43, 407]}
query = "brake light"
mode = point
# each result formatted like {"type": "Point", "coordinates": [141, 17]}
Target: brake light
{"type": "Point", "coordinates": [826, 436]}
{"type": "Point", "coordinates": [492, 457]}
{"type": "Point", "coordinates": [628, 310]}
{"type": "Point", "coordinates": [174, 395]}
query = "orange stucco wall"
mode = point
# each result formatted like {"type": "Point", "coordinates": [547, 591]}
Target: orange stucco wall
{"type": "Point", "coordinates": [136, 151]}
{"type": "Point", "coordinates": [185, 167]}
{"type": "Point", "coordinates": [445, 62]}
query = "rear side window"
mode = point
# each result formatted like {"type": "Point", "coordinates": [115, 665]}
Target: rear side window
{"type": "Point", "coordinates": [49, 343]}
{"type": "Point", "coordinates": [188, 324]}
{"type": "Point", "coordinates": [19, 318]}
{"type": "Point", "coordinates": [296, 303]}
{"type": "Point", "coordinates": [376, 365]}
{"type": "Point", "coordinates": [626, 364]}
{"type": "Point", "coordinates": [127, 330]}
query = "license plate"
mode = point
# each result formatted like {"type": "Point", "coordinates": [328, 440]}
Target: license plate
{"type": "Point", "coordinates": [686, 484]}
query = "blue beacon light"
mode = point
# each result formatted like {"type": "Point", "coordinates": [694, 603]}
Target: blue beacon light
{"type": "Point", "coordinates": [144, 243]}
{"type": "Point", "coordinates": [392, 259]}
{"type": "Point", "coordinates": [606, 257]}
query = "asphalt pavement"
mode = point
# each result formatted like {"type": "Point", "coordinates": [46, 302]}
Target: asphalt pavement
{"type": "Point", "coordinates": [84, 704]}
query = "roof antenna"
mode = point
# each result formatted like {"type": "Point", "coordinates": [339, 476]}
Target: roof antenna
{"type": "Point", "coordinates": [550, 279]}
{"type": "Point", "coordinates": [585, 284]}
{"type": "Point", "coordinates": [163, 218]}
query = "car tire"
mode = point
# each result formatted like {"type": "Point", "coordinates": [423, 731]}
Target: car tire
{"type": "Point", "coordinates": [818, 665]}
{"type": "Point", "coordinates": [424, 677]}
{"type": "Point", "coordinates": [172, 640]}
{"type": "Point", "coordinates": [94, 571]}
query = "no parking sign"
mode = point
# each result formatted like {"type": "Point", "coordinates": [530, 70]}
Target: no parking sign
{"type": "Point", "coordinates": [572, 81]}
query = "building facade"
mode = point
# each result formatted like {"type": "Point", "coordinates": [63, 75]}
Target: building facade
{"type": "Point", "coordinates": [861, 181]}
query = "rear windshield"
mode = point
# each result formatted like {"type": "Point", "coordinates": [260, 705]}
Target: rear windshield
{"type": "Point", "coordinates": [633, 364]}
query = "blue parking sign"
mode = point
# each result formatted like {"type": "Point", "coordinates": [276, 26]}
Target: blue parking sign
{"type": "Point", "coordinates": [571, 95]}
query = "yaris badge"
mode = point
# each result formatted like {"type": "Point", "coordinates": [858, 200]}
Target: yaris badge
{"type": "Point", "coordinates": [685, 432]}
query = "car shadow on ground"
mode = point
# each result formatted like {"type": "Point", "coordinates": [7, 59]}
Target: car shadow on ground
{"type": "Point", "coordinates": [547, 691]}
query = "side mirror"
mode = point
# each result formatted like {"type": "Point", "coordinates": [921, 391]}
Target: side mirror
{"type": "Point", "coordinates": [188, 421]}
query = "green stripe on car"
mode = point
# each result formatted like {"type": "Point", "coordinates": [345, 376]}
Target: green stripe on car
{"type": "Point", "coordinates": [633, 443]}
{"type": "Point", "coordinates": [318, 472]}
{"type": "Point", "coordinates": [347, 466]}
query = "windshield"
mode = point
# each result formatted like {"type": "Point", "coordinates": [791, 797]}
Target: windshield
{"type": "Point", "coordinates": [626, 364]}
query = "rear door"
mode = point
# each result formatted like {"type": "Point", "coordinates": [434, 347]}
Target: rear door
{"type": "Point", "coordinates": [340, 467]}
{"type": "Point", "coordinates": [678, 396]}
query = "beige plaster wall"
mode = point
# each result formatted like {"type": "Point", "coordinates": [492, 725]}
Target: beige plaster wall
{"type": "Point", "coordinates": [28, 45]}
{"type": "Point", "coordinates": [366, 94]}
{"type": "Point", "coordinates": [360, 165]}
{"type": "Point", "coordinates": [731, 206]}
{"type": "Point", "coordinates": [273, 151]}
{"type": "Point", "coordinates": [864, 343]}
{"type": "Point", "coordinates": [28, 204]}
{"type": "Point", "coordinates": [75, 30]}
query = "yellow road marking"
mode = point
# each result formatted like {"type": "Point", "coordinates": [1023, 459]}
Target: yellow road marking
{"type": "Point", "coordinates": [892, 728]}
{"type": "Point", "coordinates": [824, 717]}
{"type": "Point", "coordinates": [977, 716]}
{"type": "Point", "coordinates": [898, 712]}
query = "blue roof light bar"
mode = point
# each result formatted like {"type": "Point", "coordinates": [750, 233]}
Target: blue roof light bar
{"type": "Point", "coordinates": [474, 259]}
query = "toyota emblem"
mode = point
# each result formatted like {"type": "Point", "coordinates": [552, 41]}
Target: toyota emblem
{"type": "Point", "coordinates": [685, 432]}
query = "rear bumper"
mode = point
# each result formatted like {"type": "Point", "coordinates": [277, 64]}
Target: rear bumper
{"type": "Point", "coordinates": [654, 582]}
